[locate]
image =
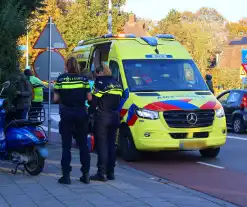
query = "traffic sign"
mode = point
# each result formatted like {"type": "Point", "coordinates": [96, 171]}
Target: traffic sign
{"type": "Point", "coordinates": [244, 66]}
{"type": "Point", "coordinates": [244, 56]}
{"type": "Point", "coordinates": [244, 80]}
{"type": "Point", "coordinates": [43, 42]}
{"type": "Point", "coordinates": [41, 65]}
{"type": "Point", "coordinates": [242, 72]}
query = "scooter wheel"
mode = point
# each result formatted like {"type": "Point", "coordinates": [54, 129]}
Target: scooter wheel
{"type": "Point", "coordinates": [36, 166]}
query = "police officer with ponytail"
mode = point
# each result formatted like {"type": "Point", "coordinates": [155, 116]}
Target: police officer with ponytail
{"type": "Point", "coordinates": [107, 93]}
{"type": "Point", "coordinates": [71, 92]}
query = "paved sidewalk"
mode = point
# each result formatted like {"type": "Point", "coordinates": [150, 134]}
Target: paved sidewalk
{"type": "Point", "coordinates": [130, 189]}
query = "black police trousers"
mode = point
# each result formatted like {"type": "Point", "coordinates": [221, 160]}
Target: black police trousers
{"type": "Point", "coordinates": [74, 123]}
{"type": "Point", "coordinates": [105, 129]}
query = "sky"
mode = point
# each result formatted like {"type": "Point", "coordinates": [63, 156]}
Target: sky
{"type": "Point", "coordinates": [232, 10]}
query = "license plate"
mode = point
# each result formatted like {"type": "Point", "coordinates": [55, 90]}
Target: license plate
{"type": "Point", "coordinates": [192, 144]}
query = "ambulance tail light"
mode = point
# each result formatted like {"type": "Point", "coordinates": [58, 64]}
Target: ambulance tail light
{"type": "Point", "coordinates": [147, 114]}
{"type": "Point", "coordinates": [243, 104]}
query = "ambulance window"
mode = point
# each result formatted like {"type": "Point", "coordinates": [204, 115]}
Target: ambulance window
{"type": "Point", "coordinates": [82, 65]}
{"type": "Point", "coordinates": [188, 73]}
{"type": "Point", "coordinates": [115, 70]}
{"type": "Point", "coordinates": [163, 75]}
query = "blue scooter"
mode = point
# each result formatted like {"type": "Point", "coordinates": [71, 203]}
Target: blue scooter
{"type": "Point", "coordinates": [22, 142]}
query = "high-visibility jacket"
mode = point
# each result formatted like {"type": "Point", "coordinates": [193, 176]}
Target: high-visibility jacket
{"type": "Point", "coordinates": [37, 85]}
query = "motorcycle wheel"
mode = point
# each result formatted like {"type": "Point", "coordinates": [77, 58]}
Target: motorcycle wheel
{"type": "Point", "coordinates": [36, 166]}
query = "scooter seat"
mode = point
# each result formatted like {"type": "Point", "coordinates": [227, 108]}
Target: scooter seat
{"type": "Point", "coordinates": [24, 122]}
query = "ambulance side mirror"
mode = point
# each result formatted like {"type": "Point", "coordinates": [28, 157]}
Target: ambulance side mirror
{"type": "Point", "coordinates": [208, 77]}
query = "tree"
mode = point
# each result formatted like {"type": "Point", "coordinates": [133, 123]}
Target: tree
{"type": "Point", "coordinates": [173, 18]}
{"type": "Point", "coordinates": [197, 38]}
{"type": "Point", "coordinates": [88, 19]}
{"type": "Point", "coordinates": [37, 23]}
{"type": "Point", "coordinates": [14, 15]}
{"type": "Point", "coordinates": [237, 29]}
{"type": "Point", "coordinates": [210, 15]}
{"type": "Point", "coordinates": [226, 78]}
{"type": "Point", "coordinates": [77, 20]}
{"type": "Point", "coordinates": [188, 16]}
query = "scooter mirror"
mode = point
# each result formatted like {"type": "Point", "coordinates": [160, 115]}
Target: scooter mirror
{"type": "Point", "coordinates": [6, 84]}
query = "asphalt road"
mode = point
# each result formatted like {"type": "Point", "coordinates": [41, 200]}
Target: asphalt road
{"type": "Point", "coordinates": [224, 177]}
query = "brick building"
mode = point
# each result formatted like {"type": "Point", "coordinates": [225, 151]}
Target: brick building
{"type": "Point", "coordinates": [231, 55]}
{"type": "Point", "coordinates": [135, 27]}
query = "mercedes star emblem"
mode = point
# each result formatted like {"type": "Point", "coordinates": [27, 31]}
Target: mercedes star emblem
{"type": "Point", "coordinates": [191, 118]}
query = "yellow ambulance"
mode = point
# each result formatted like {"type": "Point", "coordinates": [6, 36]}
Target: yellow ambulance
{"type": "Point", "coordinates": [166, 103]}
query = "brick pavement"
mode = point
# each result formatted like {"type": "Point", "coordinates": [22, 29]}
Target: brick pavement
{"type": "Point", "coordinates": [131, 189]}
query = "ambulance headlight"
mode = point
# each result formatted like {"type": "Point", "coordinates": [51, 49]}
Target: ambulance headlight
{"type": "Point", "coordinates": [147, 114]}
{"type": "Point", "coordinates": [220, 112]}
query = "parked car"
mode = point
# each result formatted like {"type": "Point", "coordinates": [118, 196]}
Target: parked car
{"type": "Point", "coordinates": [234, 103]}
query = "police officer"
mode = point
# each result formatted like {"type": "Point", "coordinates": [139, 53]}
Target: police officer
{"type": "Point", "coordinates": [107, 94]}
{"type": "Point", "coordinates": [71, 91]}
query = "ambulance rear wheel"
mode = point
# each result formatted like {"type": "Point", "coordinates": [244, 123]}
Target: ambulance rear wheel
{"type": "Point", "coordinates": [127, 146]}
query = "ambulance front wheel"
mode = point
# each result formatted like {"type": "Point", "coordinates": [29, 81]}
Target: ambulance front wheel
{"type": "Point", "coordinates": [127, 147]}
{"type": "Point", "coordinates": [210, 153]}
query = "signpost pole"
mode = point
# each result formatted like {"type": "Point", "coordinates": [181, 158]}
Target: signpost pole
{"type": "Point", "coordinates": [49, 39]}
{"type": "Point", "coordinates": [27, 51]}
{"type": "Point", "coordinates": [49, 78]}
{"type": "Point", "coordinates": [110, 17]}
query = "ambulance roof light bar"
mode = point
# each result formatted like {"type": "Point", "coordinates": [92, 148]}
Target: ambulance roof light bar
{"type": "Point", "coordinates": [119, 36]}
{"type": "Point", "coordinates": [83, 42]}
{"type": "Point", "coordinates": [165, 36]}
{"type": "Point", "coordinates": [152, 41]}
{"type": "Point", "coordinates": [80, 42]}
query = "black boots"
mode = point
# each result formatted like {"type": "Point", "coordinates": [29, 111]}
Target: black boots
{"type": "Point", "coordinates": [110, 176]}
{"type": "Point", "coordinates": [99, 177]}
{"type": "Point", "coordinates": [85, 178]}
{"type": "Point", "coordinates": [102, 177]}
{"type": "Point", "coordinates": [65, 179]}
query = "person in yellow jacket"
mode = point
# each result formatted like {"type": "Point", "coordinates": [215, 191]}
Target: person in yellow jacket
{"type": "Point", "coordinates": [38, 95]}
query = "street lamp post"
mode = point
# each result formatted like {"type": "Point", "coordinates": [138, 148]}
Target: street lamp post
{"type": "Point", "coordinates": [27, 51]}
{"type": "Point", "coordinates": [110, 17]}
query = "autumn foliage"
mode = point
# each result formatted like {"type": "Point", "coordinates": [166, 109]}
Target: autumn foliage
{"type": "Point", "coordinates": [14, 15]}
{"type": "Point", "coordinates": [204, 33]}
{"type": "Point", "coordinates": [76, 21]}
